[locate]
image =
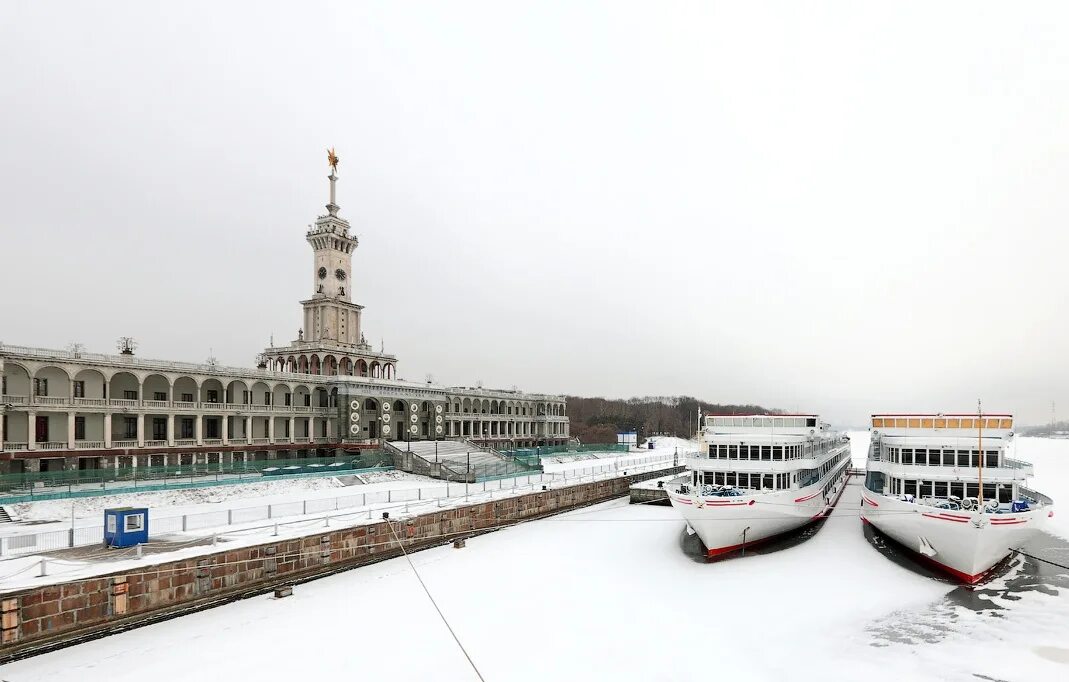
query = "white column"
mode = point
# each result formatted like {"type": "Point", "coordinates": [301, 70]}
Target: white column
{"type": "Point", "coordinates": [271, 429]}
{"type": "Point", "coordinates": [199, 426]}
{"type": "Point", "coordinates": [31, 430]}
{"type": "Point", "coordinates": [170, 428]}
{"type": "Point", "coordinates": [107, 429]}
{"type": "Point", "coordinates": [293, 429]}
{"type": "Point", "coordinates": [70, 430]}
{"type": "Point", "coordinates": [140, 425]}
{"type": "Point", "coordinates": [225, 431]}
{"type": "Point", "coordinates": [248, 429]}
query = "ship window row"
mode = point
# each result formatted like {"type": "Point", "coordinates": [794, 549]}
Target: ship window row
{"type": "Point", "coordinates": [763, 422]}
{"type": "Point", "coordinates": [940, 423]}
{"type": "Point", "coordinates": [807, 477]}
{"type": "Point", "coordinates": [941, 457]}
{"type": "Point", "coordinates": [768, 453]}
{"type": "Point", "coordinates": [742, 479]}
{"type": "Point", "coordinates": [944, 489]}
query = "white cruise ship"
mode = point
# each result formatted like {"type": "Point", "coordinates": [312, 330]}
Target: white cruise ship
{"type": "Point", "coordinates": [943, 486]}
{"type": "Point", "coordinates": [758, 476]}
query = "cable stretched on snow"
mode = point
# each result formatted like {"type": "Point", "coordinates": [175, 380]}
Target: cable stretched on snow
{"type": "Point", "coordinates": [1038, 558]}
{"type": "Point", "coordinates": [431, 597]}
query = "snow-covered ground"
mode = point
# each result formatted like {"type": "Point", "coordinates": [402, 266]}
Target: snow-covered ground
{"type": "Point", "coordinates": [607, 593]}
{"type": "Point", "coordinates": [89, 511]}
{"type": "Point", "coordinates": [1050, 458]}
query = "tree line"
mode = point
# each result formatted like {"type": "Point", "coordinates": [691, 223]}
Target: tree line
{"type": "Point", "coordinates": [1044, 430]}
{"type": "Point", "coordinates": [598, 420]}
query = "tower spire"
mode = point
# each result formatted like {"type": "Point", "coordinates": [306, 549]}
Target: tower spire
{"type": "Point", "coordinates": [332, 161]}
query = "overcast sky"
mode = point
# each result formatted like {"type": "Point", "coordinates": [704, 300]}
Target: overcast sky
{"type": "Point", "coordinates": [841, 207]}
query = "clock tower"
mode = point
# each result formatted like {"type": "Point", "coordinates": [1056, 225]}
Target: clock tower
{"type": "Point", "coordinates": [330, 315]}
{"type": "Point", "coordinates": [331, 340]}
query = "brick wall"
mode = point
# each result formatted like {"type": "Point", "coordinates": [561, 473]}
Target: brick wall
{"type": "Point", "coordinates": [41, 618]}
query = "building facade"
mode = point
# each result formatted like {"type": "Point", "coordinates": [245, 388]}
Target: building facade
{"type": "Point", "coordinates": [326, 392]}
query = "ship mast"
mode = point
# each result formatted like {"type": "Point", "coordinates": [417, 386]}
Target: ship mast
{"type": "Point", "coordinates": [980, 445]}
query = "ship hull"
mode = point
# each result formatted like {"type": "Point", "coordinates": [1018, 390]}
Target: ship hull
{"type": "Point", "coordinates": [962, 544]}
{"type": "Point", "coordinates": [729, 524]}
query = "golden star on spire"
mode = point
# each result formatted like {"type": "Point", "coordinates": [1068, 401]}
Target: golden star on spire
{"type": "Point", "coordinates": [332, 160]}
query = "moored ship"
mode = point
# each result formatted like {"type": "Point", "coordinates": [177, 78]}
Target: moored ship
{"type": "Point", "coordinates": [759, 476]}
{"type": "Point", "coordinates": [943, 486]}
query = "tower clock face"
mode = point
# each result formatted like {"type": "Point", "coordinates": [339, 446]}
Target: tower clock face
{"type": "Point", "coordinates": [322, 273]}
{"type": "Point", "coordinates": [340, 274]}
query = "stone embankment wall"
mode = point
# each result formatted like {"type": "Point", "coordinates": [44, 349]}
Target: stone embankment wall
{"type": "Point", "coordinates": [41, 618]}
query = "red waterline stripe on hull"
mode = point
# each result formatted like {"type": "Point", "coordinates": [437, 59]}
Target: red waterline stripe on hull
{"type": "Point", "coordinates": [946, 518]}
{"type": "Point", "coordinates": [960, 575]}
{"type": "Point", "coordinates": [718, 551]}
{"type": "Point", "coordinates": [809, 497]}
{"type": "Point", "coordinates": [868, 501]}
{"type": "Point", "coordinates": [1008, 523]}
{"type": "Point", "coordinates": [964, 577]}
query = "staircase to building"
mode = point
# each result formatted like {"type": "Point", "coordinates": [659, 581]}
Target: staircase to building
{"type": "Point", "coordinates": [455, 460]}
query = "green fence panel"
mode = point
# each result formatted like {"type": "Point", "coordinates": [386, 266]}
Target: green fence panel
{"type": "Point", "coordinates": [49, 479]}
{"type": "Point", "coordinates": [56, 493]}
{"type": "Point", "coordinates": [532, 456]}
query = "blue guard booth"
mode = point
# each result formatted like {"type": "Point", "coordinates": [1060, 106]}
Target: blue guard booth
{"type": "Point", "coordinates": [125, 526]}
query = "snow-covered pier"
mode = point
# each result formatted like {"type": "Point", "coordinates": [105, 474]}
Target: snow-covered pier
{"type": "Point", "coordinates": [652, 491]}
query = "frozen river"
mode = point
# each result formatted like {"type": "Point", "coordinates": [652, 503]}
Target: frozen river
{"type": "Point", "coordinates": [612, 593]}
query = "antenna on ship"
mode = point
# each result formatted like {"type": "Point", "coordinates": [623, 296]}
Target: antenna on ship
{"type": "Point", "coordinates": [980, 467]}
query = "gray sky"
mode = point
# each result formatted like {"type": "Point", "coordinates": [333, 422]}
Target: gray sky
{"type": "Point", "coordinates": [843, 207]}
